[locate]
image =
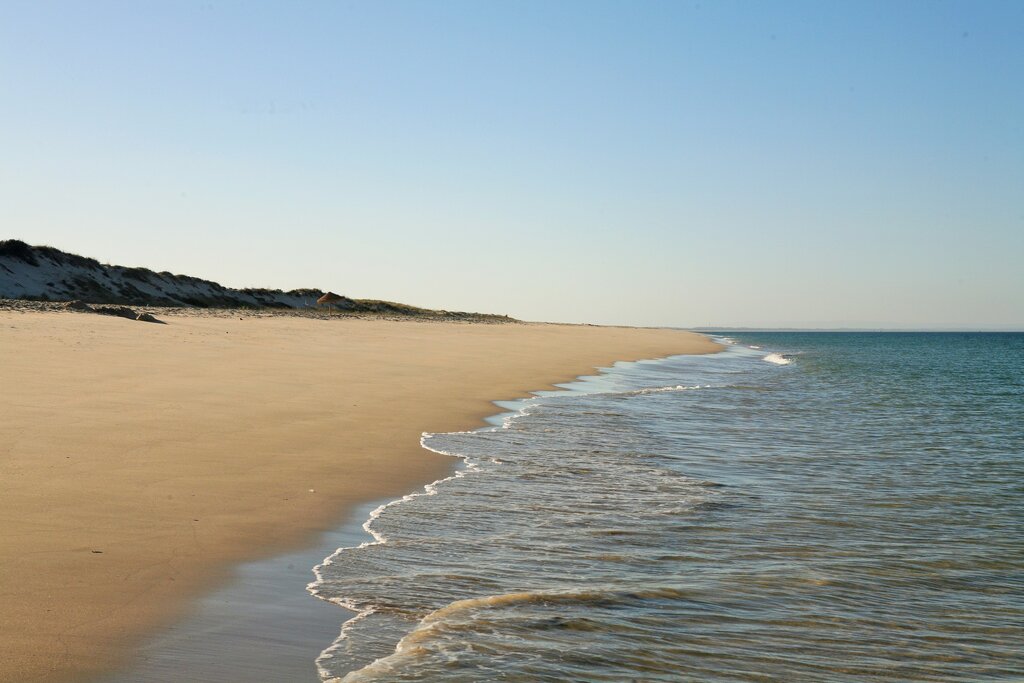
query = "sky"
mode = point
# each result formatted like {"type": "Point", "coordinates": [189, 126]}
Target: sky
{"type": "Point", "coordinates": [809, 164]}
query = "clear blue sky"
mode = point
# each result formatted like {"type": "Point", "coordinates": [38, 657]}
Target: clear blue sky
{"type": "Point", "coordinates": [670, 163]}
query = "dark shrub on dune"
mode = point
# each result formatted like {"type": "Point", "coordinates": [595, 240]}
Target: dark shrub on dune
{"type": "Point", "coordinates": [19, 250]}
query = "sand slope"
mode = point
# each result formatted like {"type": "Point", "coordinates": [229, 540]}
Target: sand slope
{"type": "Point", "coordinates": [137, 462]}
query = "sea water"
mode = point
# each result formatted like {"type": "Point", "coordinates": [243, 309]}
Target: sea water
{"type": "Point", "coordinates": [800, 507]}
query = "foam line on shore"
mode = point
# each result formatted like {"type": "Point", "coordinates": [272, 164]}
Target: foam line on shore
{"type": "Point", "coordinates": [463, 469]}
{"type": "Point", "coordinates": [466, 467]}
{"type": "Point", "coordinates": [377, 539]}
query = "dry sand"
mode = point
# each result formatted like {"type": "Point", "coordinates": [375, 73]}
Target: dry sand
{"type": "Point", "coordinates": [139, 462]}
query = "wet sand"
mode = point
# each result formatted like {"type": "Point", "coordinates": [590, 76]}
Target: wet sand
{"type": "Point", "coordinates": [141, 463]}
{"type": "Point", "coordinates": [263, 624]}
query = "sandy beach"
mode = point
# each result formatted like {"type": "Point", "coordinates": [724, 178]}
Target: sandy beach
{"type": "Point", "coordinates": [139, 463]}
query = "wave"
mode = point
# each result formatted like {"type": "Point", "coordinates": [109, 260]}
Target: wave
{"type": "Point", "coordinates": [411, 645]}
{"type": "Point", "coordinates": [590, 394]}
{"type": "Point", "coordinates": [416, 643]}
{"type": "Point", "coordinates": [658, 390]}
{"type": "Point", "coordinates": [778, 359]}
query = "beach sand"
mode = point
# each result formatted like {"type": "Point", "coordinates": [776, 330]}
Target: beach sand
{"type": "Point", "coordinates": [140, 463]}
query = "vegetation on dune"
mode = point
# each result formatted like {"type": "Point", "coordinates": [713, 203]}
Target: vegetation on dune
{"type": "Point", "coordinates": [19, 250]}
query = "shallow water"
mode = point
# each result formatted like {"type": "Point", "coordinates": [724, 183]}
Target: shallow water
{"type": "Point", "coordinates": [852, 509]}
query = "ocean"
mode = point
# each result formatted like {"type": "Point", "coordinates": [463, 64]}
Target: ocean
{"type": "Point", "coordinates": [800, 507]}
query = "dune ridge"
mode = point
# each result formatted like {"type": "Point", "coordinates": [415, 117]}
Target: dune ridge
{"type": "Point", "coordinates": [47, 274]}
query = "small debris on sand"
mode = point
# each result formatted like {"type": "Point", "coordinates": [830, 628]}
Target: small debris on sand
{"type": "Point", "coordinates": [77, 305]}
{"type": "Point", "coordinates": [119, 311]}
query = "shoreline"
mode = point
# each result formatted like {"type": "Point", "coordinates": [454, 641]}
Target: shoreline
{"type": "Point", "coordinates": [218, 633]}
{"type": "Point", "coordinates": [132, 401]}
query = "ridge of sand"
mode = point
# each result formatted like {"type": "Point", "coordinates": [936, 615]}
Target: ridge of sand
{"type": "Point", "coordinates": [138, 463]}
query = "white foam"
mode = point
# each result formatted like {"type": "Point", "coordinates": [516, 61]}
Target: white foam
{"type": "Point", "coordinates": [410, 646]}
{"type": "Point", "coordinates": [658, 390]}
{"type": "Point", "coordinates": [778, 359]}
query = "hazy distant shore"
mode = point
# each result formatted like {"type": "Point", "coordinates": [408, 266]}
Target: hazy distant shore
{"type": "Point", "coordinates": [141, 462]}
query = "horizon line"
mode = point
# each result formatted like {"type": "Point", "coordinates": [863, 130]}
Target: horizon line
{"type": "Point", "coordinates": [726, 328]}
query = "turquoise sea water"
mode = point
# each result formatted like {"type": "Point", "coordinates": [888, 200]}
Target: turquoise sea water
{"type": "Point", "coordinates": [801, 507]}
